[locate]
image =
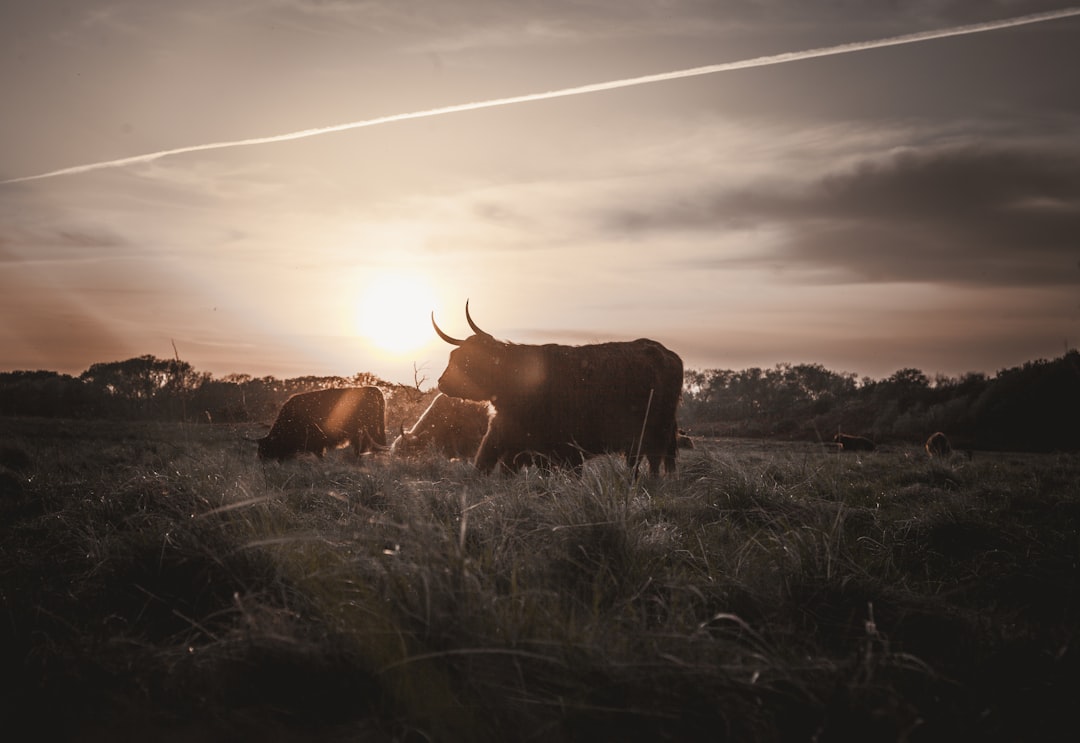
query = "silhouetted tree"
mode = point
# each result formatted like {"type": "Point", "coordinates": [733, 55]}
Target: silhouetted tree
{"type": "Point", "coordinates": [1035, 407]}
{"type": "Point", "coordinates": [145, 385]}
{"type": "Point", "coordinates": [44, 393]}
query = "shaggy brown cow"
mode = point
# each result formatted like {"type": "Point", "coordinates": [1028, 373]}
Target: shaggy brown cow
{"type": "Point", "coordinates": [315, 421]}
{"type": "Point", "coordinates": [938, 445]}
{"type": "Point", "coordinates": [562, 404]}
{"type": "Point", "coordinates": [853, 443]}
{"type": "Point", "coordinates": [451, 426]}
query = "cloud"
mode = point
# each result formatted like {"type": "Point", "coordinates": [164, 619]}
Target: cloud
{"type": "Point", "coordinates": [758, 61]}
{"type": "Point", "coordinates": [968, 215]}
{"type": "Point", "coordinates": [976, 215]}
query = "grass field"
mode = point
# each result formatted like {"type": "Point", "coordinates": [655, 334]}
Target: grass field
{"type": "Point", "coordinates": [157, 582]}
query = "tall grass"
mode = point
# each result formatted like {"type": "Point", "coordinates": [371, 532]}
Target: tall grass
{"type": "Point", "coordinates": [159, 579]}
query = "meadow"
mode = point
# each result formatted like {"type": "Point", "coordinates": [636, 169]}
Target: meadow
{"type": "Point", "coordinates": [158, 582]}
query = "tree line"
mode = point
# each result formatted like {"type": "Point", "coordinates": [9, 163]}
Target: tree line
{"type": "Point", "coordinates": [1033, 407]}
{"type": "Point", "coordinates": [151, 388]}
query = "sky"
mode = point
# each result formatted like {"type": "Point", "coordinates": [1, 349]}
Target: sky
{"type": "Point", "coordinates": [915, 205]}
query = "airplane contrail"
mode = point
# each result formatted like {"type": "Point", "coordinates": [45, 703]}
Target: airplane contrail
{"type": "Point", "coordinates": [774, 59]}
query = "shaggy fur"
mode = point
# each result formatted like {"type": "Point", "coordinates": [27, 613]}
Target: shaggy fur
{"type": "Point", "coordinates": [450, 426]}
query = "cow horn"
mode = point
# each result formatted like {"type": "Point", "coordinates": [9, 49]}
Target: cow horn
{"type": "Point", "coordinates": [444, 336]}
{"type": "Point", "coordinates": [473, 325]}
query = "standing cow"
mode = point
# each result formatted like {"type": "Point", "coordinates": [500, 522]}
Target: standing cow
{"type": "Point", "coordinates": [450, 425]}
{"type": "Point", "coordinates": [561, 404]}
{"type": "Point", "coordinates": [316, 421]}
{"type": "Point", "coordinates": [853, 443]}
{"type": "Point", "coordinates": [938, 445]}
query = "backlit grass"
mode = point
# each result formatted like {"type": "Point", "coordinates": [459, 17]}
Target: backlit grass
{"type": "Point", "coordinates": [157, 579]}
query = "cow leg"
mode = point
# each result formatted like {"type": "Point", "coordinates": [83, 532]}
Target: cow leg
{"type": "Point", "coordinates": [493, 453]}
{"type": "Point", "coordinates": [654, 464]}
{"type": "Point", "coordinates": [672, 451]}
{"type": "Point", "coordinates": [487, 456]}
{"type": "Point", "coordinates": [656, 454]}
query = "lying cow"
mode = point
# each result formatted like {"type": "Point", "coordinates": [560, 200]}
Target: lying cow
{"type": "Point", "coordinates": [853, 443]}
{"type": "Point", "coordinates": [451, 426]}
{"type": "Point", "coordinates": [316, 421]}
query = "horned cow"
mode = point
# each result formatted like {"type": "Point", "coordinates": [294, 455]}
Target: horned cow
{"type": "Point", "coordinates": [451, 426]}
{"type": "Point", "coordinates": [316, 421]}
{"type": "Point", "coordinates": [562, 404]}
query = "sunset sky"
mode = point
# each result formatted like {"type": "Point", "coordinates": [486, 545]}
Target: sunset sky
{"type": "Point", "coordinates": [916, 205]}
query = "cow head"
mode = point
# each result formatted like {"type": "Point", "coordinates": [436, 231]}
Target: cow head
{"type": "Point", "coordinates": [406, 443]}
{"type": "Point", "coordinates": [482, 368]}
{"type": "Point", "coordinates": [268, 448]}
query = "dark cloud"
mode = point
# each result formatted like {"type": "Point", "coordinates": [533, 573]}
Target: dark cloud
{"type": "Point", "coordinates": [967, 215]}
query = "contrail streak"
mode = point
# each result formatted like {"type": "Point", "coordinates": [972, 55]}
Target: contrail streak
{"type": "Point", "coordinates": [774, 59]}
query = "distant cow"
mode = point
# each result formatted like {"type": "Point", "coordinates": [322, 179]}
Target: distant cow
{"type": "Point", "coordinates": [938, 445]}
{"type": "Point", "coordinates": [316, 421]}
{"type": "Point", "coordinates": [853, 443]}
{"type": "Point", "coordinates": [450, 425]}
{"type": "Point", "coordinates": [562, 404]}
{"type": "Point", "coordinates": [683, 440]}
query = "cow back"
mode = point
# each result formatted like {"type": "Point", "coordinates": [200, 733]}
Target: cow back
{"type": "Point", "coordinates": [592, 399]}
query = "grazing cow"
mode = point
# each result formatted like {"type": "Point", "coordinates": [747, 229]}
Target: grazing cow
{"type": "Point", "coordinates": [853, 443]}
{"type": "Point", "coordinates": [315, 421]}
{"type": "Point", "coordinates": [562, 404]}
{"type": "Point", "coordinates": [451, 426]}
{"type": "Point", "coordinates": [938, 445]}
{"type": "Point", "coordinates": [683, 440]}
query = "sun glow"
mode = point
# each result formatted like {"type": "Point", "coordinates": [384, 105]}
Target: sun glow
{"type": "Point", "coordinates": [393, 312]}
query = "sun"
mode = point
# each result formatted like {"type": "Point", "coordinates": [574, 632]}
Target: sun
{"type": "Point", "coordinates": [393, 312]}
